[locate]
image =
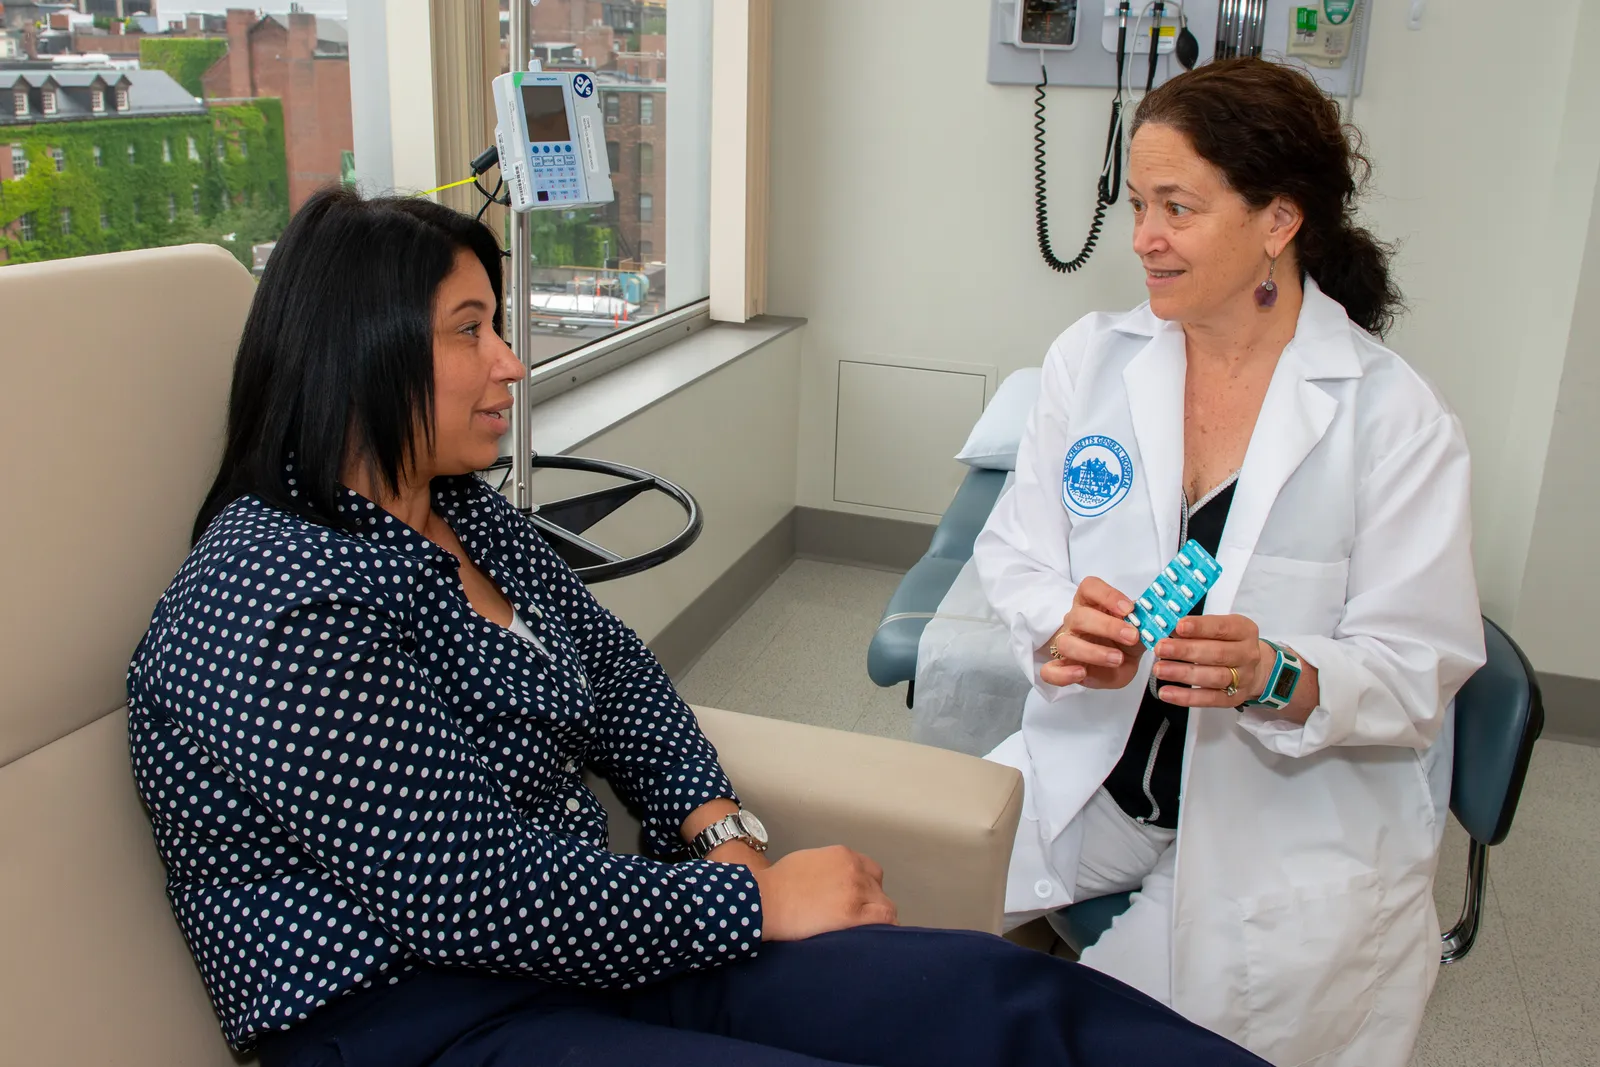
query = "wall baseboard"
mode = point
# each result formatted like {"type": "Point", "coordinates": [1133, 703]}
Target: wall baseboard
{"type": "Point", "coordinates": [862, 540]}
{"type": "Point", "coordinates": [687, 637]}
{"type": "Point", "coordinates": [1571, 708]}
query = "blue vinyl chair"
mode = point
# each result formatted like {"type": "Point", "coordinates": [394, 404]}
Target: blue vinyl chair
{"type": "Point", "coordinates": [1499, 715]}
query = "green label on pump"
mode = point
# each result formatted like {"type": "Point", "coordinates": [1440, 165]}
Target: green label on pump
{"type": "Point", "coordinates": [1338, 11]}
{"type": "Point", "coordinates": [1305, 21]}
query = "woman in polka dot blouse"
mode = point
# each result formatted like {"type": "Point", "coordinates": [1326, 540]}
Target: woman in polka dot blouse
{"type": "Point", "coordinates": [362, 712]}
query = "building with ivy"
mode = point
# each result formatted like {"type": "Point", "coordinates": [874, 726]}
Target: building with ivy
{"type": "Point", "coordinates": [101, 161]}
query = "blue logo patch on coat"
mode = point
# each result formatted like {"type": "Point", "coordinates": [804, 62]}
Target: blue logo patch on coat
{"type": "Point", "coordinates": [1097, 474]}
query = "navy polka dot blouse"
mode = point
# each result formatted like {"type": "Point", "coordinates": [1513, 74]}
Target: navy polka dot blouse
{"type": "Point", "coordinates": [350, 771]}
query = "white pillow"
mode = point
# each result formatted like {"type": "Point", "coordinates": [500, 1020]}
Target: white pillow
{"type": "Point", "coordinates": [994, 440]}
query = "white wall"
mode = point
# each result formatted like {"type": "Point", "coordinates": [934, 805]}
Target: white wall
{"type": "Point", "coordinates": [731, 440]}
{"type": "Point", "coordinates": [903, 225]}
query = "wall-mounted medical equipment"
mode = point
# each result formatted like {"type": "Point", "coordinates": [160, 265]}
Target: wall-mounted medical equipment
{"type": "Point", "coordinates": [1075, 41]}
{"type": "Point", "coordinates": [550, 134]}
{"type": "Point", "coordinates": [1126, 45]}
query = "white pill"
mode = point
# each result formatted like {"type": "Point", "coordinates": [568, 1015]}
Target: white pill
{"type": "Point", "coordinates": [1175, 606]}
{"type": "Point", "coordinates": [1144, 602]}
{"type": "Point", "coordinates": [1149, 638]}
{"type": "Point", "coordinates": [1185, 560]}
{"type": "Point", "coordinates": [1186, 591]}
{"type": "Point", "coordinates": [1171, 574]}
{"type": "Point", "coordinates": [1200, 576]}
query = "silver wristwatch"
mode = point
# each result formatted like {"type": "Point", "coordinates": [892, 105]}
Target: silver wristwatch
{"type": "Point", "coordinates": [740, 826]}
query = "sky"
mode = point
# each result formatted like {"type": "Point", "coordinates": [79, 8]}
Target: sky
{"type": "Point", "coordinates": [176, 9]}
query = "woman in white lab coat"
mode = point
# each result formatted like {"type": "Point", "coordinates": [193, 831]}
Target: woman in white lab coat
{"type": "Point", "coordinates": [1272, 779]}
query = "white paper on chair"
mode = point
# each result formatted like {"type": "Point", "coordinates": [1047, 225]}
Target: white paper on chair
{"type": "Point", "coordinates": [970, 690]}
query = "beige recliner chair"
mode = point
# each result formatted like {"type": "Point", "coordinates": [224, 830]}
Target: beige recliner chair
{"type": "Point", "coordinates": [113, 379]}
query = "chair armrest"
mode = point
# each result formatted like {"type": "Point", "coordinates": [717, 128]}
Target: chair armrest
{"type": "Point", "coordinates": [940, 823]}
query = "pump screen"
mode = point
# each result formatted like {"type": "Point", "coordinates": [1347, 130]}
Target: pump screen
{"type": "Point", "coordinates": [547, 113]}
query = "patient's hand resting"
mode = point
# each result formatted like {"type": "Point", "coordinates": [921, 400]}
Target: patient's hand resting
{"type": "Point", "coordinates": [819, 890]}
{"type": "Point", "coordinates": [1095, 647]}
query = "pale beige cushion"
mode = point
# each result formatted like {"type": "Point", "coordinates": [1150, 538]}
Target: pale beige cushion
{"type": "Point", "coordinates": [113, 394]}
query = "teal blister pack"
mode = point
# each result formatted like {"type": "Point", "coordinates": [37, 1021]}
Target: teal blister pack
{"type": "Point", "coordinates": [1181, 585]}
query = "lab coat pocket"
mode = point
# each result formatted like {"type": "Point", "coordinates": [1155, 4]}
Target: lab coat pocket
{"type": "Point", "coordinates": [1311, 961]}
{"type": "Point", "coordinates": [1286, 596]}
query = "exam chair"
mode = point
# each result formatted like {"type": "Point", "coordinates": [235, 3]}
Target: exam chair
{"type": "Point", "coordinates": [113, 385]}
{"type": "Point", "coordinates": [1499, 715]}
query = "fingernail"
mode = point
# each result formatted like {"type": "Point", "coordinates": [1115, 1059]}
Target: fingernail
{"type": "Point", "coordinates": [1124, 607]}
{"type": "Point", "coordinates": [1129, 635]}
{"type": "Point", "coordinates": [1114, 658]}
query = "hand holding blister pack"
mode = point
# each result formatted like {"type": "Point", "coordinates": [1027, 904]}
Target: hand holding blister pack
{"type": "Point", "coordinates": [1181, 585]}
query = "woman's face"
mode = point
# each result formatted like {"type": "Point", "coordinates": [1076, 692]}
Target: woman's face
{"type": "Point", "coordinates": [472, 372]}
{"type": "Point", "coordinates": [1204, 249]}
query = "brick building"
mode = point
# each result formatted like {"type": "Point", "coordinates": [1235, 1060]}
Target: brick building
{"type": "Point", "coordinates": [305, 61]}
{"type": "Point", "coordinates": [636, 143]}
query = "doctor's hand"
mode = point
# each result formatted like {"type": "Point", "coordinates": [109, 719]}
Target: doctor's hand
{"type": "Point", "coordinates": [1208, 654]}
{"type": "Point", "coordinates": [1095, 647]}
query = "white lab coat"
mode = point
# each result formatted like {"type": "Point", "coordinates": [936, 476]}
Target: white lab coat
{"type": "Point", "coordinates": [1303, 918]}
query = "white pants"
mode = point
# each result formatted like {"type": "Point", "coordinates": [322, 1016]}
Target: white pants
{"type": "Point", "coordinates": [1119, 854]}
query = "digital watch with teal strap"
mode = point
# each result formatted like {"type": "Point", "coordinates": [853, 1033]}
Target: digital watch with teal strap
{"type": "Point", "coordinates": [1281, 680]}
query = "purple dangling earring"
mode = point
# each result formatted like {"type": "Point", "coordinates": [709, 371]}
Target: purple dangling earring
{"type": "Point", "coordinates": [1267, 291]}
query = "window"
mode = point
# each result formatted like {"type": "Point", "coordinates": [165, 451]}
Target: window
{"type": "Point", "coordinates": [19, 106]}
{"type": "Point", "coordinates": [133, 153]}
{"type": "Point", "coordinates": [222, 150]}
{"type": "Point", "coordinates": [194, 151]}
{"type": "Point", "coordinates": [66, 222]}
{"type": "Point", "coordinates": [122, 98]}
{"type": "Point", "coordinates": [49, 96]}
{"type": "Point", "coordinates": [105, 219]}
{"type": "Point", "coordinates": [99, 157]}
{"type": "Point", "coordinates": [60, 157]}
{"type": "Point", "coordinates": [226, 201]}
{"type": "Point", "coordinates": [25, 226]}
{"type": "Point", "coordinates": [172, 207]}
{"type": "Point", "coordinates": [97, 101]}
{"type": "Point", "coordinates": [656, 138]}
{"type": "Point", "coordinates": [19, 161]}
{"type": "Point", "coordinates": [135, 213]}
{"type": "Point", "coordinates": [194, 198]}
{"type": "Point", "coordinates": [166, 150]}
{"type": "Point", "coordinates": [244, 148]}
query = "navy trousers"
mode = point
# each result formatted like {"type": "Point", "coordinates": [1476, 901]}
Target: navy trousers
{"type": "Point", "coordinates": [878, 995]}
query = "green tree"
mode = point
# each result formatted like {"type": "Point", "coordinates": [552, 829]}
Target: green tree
{"type": "Point", "coordinates": [185, 58]}
{"type": "Point", "coordinates": [120, 192]}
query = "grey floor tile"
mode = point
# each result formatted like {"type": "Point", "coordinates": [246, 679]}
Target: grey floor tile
{"type": "Point", "coordinates": [1477, 1017]}
{"type": "Point", "coordinates": [813, 671]}
{"type": "Point", "coordinates": [886, 715]}
{"type": "Point", "coordinates": [726, 662]}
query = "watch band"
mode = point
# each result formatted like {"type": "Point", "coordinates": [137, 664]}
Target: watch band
{"type": "Point", "coordinates": [728, 828]}
{"type": "Point", "coordinates": [1281, 680]}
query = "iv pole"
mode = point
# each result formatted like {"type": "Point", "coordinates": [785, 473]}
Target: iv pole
{"type": "Point", "coordinates": [518, 321]}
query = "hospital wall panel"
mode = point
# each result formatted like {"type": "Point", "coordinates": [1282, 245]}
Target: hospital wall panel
{"type": "Point", "coordinates": [731, 440]}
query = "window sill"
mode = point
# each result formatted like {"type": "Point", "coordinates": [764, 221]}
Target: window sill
{"type": "Point", "coordinates": [584, 412]}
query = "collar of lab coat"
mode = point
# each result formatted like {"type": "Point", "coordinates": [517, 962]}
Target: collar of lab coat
{"type": "Point", "coordinates": [1294, 415]}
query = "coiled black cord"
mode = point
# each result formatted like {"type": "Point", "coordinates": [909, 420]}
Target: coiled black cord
{"type": "Point", "coordinates": [1110, 167]}
{"type": "Point", "coordinates": [1110, 182]}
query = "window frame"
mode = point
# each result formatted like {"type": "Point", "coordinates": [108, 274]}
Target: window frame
{"type": "Point", "coordinates": [97, 101]}
{"type": "Point", "coordinates": [742, 30]}
{"type": "Point", "coordinates": [66, 222]}
{"type": "Point", "coordinates": [19, 162]}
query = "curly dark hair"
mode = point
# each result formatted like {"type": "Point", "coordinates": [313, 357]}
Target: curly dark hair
{"type": "Point", "coordinates": [1272, 132]}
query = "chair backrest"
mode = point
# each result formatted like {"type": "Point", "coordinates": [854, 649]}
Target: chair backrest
{"type": "Point", "coordinates": [1499, 715]}
{"type": "Point", "coordinates": [113, 388]}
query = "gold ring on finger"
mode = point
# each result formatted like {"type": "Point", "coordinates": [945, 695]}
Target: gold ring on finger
{"type": "Point", "coordinates": [1233, 686]}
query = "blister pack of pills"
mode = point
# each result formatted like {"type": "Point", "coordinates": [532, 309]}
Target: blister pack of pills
{"type": "Point", "coordinates": [1181, 585]}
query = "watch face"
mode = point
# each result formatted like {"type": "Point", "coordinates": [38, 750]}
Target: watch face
{"type": "Point", "coordinates": [753, 826]}
{"type": "Point", "coordinates": [1285, 687]}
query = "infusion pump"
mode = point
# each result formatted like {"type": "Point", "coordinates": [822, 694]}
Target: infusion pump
{"type": "Point", "coordinates": [550, 134]}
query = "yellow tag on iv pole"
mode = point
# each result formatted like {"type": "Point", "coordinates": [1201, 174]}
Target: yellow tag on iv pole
{"type": "Point", "coordinates": [442, 188]}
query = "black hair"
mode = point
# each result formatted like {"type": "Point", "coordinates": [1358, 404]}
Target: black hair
{"type": "Point", "coordinates": [337, 351]}
{"type": "Point", "coordinates": [1273, 132]}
